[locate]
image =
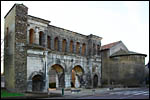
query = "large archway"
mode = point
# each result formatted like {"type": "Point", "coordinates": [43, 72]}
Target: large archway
{"type": "Point", "coordinates": [56, 76]}
{"type": "Point", "coordinates": [76, 76]}
{"type": "Point", "coordinates": [95, 81]}
{"type": "Point", "coordinates": [37, 83]}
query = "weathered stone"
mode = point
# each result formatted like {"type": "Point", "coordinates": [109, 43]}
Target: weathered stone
{"type": "Point", "coordinates": [121, 66]}
{"type": "Point", "coordinates": [31, 66]}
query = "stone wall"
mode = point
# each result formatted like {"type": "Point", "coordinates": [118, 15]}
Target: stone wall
{"type": "Point", "coordinates": [91, 59]}
{"type": "Point", "coordinates": [20, 58]}
{"type": "Point", "coordinates": [9, 33]}
{"type": "Point", "coordinates": [26, 65]}
{"type": "Point", "coordinates": [122, 70]}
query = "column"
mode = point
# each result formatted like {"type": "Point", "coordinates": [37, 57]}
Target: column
{"type": "Point", "coordinates": [96, 49]}
{"type": "Point", "coordinates": [77, 84]}
{"type": "Point", "coordinates": [29, 85]}
{"type": "Point", "coordinates": [45, 38]}
{"type": "Point", "coordinates": [36, 38]}
{"type": "Point", "coordinates": [80, 49]}
{"type": "Point", "coordinates": [68, 46]}
{"type": "Point", "coordinates": [57, 82]}
{"type": "Point", "coordinates": [86, 51]}
{"type": "Point", "coordinates": [46, 72]}
{"type": "Point", "coordinates": [60, 44]}
{"type": "Point", "coordinates": [28, 41]}
{"type": "Point", "coordinates": [74, 47]}
{"type": "Point", "coordinates": [67, 81]}
{"type": "Point", "coordinates": [52, 43]}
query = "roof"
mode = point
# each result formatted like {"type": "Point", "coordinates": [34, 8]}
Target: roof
{"type": "Point", "coordinates": [46, 21]}
{"type": "Point", "coordinates": [125, 53]}
{"type": "Point", "coordinates": [108, 46]}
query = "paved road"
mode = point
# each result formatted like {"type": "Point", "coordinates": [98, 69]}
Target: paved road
{"type": "Point", "coordinates": [121, 94]}
{"type": "Point", "coordinates": [129, 93]}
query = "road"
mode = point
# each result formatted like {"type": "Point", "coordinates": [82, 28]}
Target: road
{"type": "Point", "coordinates": [129, 93]}
{"type": "Point", "coordinates": [121, 94]}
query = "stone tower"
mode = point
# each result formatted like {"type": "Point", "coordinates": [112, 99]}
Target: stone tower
{"type": "Point", "coordinates": [15, 61]}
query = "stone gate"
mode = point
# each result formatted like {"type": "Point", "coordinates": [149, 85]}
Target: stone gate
{"type": "Point", "coordinates": [41, 53]}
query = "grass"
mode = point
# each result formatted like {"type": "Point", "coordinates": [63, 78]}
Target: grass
{"type": "Point", "coordinates": [5, 93]}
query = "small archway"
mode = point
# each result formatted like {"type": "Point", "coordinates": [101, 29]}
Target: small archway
{"type": "Point", "coordinates": [71, 46]}
{"type": "Point", "coordinates": [95, 81]}
{"type": "Point", "coordinates": [31, 36]}
{"type": "Point", "coordinates": [98, 50]}
{"type": "Point", "coordinates": [56, 76]}
{"type": "Point", "coordinates": [64, 44]}
{"type": "Point", "coordinates": [49, 42]}
{"type": "Point", "coordinates": [41, 38]}
{"type": "Point", "coordinates": [94, 49]}
{"type": "Point", "coordinates": [83, 49]}
{"type": "Point", "coordinates": [37, 83]}
{"type": "Point", "coordinates": [76, 76]}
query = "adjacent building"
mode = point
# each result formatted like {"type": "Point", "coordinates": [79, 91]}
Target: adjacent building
{"type": "Point", "coordinates": [121, 67]}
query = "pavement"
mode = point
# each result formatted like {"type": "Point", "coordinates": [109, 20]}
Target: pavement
{"type": "Point", "coordinates": [57, 94]}
{"type": "Point", "coordinates": [83, 93]}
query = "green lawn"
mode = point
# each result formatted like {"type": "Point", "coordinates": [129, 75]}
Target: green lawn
{"type": "Point", "coordinates": [5, 93]}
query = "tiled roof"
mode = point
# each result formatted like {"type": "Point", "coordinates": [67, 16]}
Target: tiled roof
{"type": "Point", "coordinates": [108, 46]}
{"type": "Point", "coordinates": [126, 53]}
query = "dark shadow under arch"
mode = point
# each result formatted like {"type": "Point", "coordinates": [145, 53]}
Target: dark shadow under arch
{"type": "Point", "coordinates": [37, 83]}
{"type": "Point", "coordinates": [95, 81]}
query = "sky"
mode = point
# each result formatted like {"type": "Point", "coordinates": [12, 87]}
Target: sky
{"type": "Point", "coordinates": [127, 21]}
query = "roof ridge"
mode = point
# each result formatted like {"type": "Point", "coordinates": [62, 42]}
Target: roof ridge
{"type": "Point", "coordinates": [107, 46]}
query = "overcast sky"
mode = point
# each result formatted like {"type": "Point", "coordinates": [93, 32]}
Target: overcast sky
{"type": "Point", "coordinates": [127, 21]}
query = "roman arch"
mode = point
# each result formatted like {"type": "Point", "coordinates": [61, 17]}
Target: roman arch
{"type": "Point", "coordinates": [77, 73]}
{"type": "Point", "coordinates": [56, 76]}
{"type": "Point", "coordinates": [70, 57]}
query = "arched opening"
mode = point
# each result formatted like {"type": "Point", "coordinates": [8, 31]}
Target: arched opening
{"type": "Point", "coordinates": [49, 42]}
{"type": "Point", "coordinates": [31, 36]}
{"type": "Point", "coordinates": [71, 46]}
{"type": "Point", "coordinates": [77, 47]}
{"type": "Point", "coordinates": [98, 50]}
{"type": "Point", "coordinates": [56, 76]}
{"type": "Point", "coordinates": [40, 38]}
{"type": "Point", "coordinates": [83, 49]}
{"type": "Point", "coordinates": [94, 49]}
{"type": "Point", "coordinates": [64, 44]}
{"type": "Point", "coordinates": [76, 77]}
{"type": "Point", "coordinates": [56, 43]}
{"type": "Point", "coordinates": [37, 83]}
{"type": "Point", "coordinates": [95, 81]}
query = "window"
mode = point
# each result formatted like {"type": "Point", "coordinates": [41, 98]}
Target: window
{"type": "Point", "coordinates": [64, 45]}
{"type": "Point", "coordinates": [31, 36]}
{"type": "Point", "coordinates": [71, 46]}
{"type": "Point", "coordinates": [83, 49]}
{"type": "Point", "coordinates": [98, 50]}
{"type": "Point", "coordinates": [56, 43]}
{"type": "Point", "coordinates": [40, 37]}
{"type": "Point", "coordinates": [94, 49]}
{"type": "Point", "coordinates": [48, 42]}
